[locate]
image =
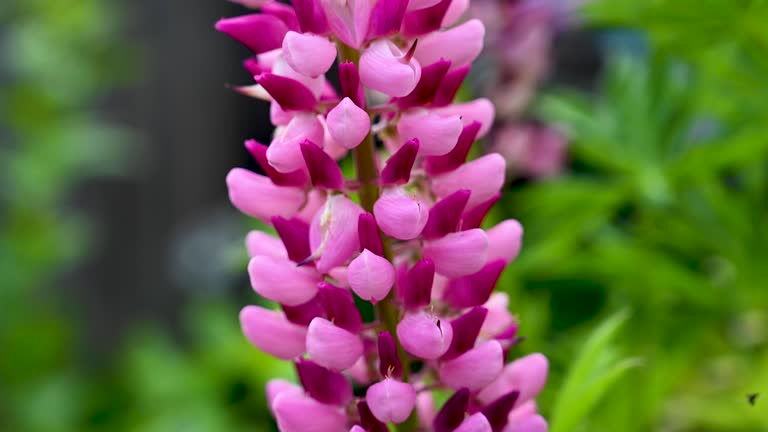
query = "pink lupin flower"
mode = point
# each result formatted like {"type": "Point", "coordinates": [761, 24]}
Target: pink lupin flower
{"type": "Point", "coordinates": [348, 19]}
{"type": "Point", "coordinates": [333, 233]}
{"type": "Point", "coordinates": [272, 333]}
{"type": "Point", "coordinates": [348, 124]}
{"type": "Point", "coordinates": [308, 54]}
{"type": "Point", "coordinates": [299, 413]}
{"type": "Point", "coordinates": [387, 69]}
{"type": "Point", "coordinates": [332, 346]}
{"type": "Point", "coordinates": [458, 254]}
{"type": "Point", "coordinates": [483, 176]}
{"type": "Point", "coordinates": [437, 134]}
{"type": "Point", "coordinates": [282, 281]}
{"type": "Point", "coordinates": [256, 195]}
{"type": "Point", "coordinates": [409, 221]}
{"type": "Point", "coordinates": [390, 400]}
{"type": "Point", "coordinates": [424, 336]}
{"type": "Point", "coordinates": [475, 368]}
{"type": "Point", "coordinates": [370, 276]}
{"type": "Point", "coordinates": [400, 215]}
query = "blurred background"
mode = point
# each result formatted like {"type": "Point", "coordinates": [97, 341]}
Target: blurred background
{"type": "Point", "coordinates": [637, 138]}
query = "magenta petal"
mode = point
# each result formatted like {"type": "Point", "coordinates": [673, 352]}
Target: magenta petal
{"type": "Point", "coordinates": [253, 67]}
{"type": "Point", "coordinates": [270, 332]}
{"type": "Point", "coordinates": [458, 254]}
{"type": "Point", "coordinates": [414, 286]}
{"type": "Point", "coordinates": [282, 11]}
{"type": "Point", "coordinates": [295, 236]}
{"type": "Point", "coordinates": [332, 346]}
{"type": "Point", "coordinates": [475, 289]}
{"type": "Point", "coordinates": [497, 411]}
{"type": "Point", "coordinates": [311, 16]}
{"type": "Point", "coordinates": [299, 413]}
{"type": "Point", "coordinates": [391, 401]}
{"type": "Point", "coordinates": [304, 313]}
{"type": "Point", "coordinates": [424, 336]}
{"type": "Point", "coordinates": [422, 21]}
{"type": "Point", "coordinates": [389, 362]}
{"type": "Point", "coordinates": [457, 156]}
{"type": "Point", "coordinates": [257, 32]}
{"type": "Point", "coordinates": [475, 368]}
{"type": "Point", "coordinates": [399, 165]}
{"type": "Point", "coordinates": [349, 81]}
{"type": "Point", "coordinates": [477, 422]}
{"type": "Point", "coordinates": [368, 231]}
{"type": "Point", "coordinates": [451, 414]}
{"type": "Point", "coordinates": [445, 214]}
{"type": "Point", "coordinates": [290, 94]}
{"type": "Point", "coordinates": [450, 85]}
{"type": "Point", "coordinates": [466, 329]}
{"type": "Point", "coordinates": [431, 77]}
{"type": "Point", "coordinates": [323, 384]}
{"type": "Point", "coordinates": [259, 153]}
{"type": "Point", "coordinates": [474, 217]}
{"type": "Point", "coordinates": [340, 307]}
{"type": "Point", "coordinates": [386, 18]}
{"type": "Point", "coordinates": [322, 169]}
{"type": "Point", "coordinates": [369, 421]}
{"type": "Point", "coordinates": [282, 281]}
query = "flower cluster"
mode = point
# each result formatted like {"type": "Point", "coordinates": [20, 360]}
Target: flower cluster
{"type": "Point", "coordinates": [402, 238]}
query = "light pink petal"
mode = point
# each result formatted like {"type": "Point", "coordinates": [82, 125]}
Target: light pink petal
{"type": "Point", "coordinates": [308, 54]}
{"type": "Point", "coordinates": [437, 133]}
{"type": "Point", "coordinates": [382, 68]}
{"type": "Point", "coordinates": [499, 318]}
{"type": "Point", "coordinates": [315, 84]}
{"type": "Point", "coordinates": [348, 124]}
{"type": "Point", "coordinates": [458, 254]}
{"type": "Point", "coordinates": [425, 407]}
{"type": "Point", "coordinates": [272, 333]}
{"type": "Point", "coordinates": [370, 276]}
{"type": "Point", "coordinates": [348, 19]}
{"type": "Point", "coordinates": [475, 368]}
{"type": "Point", "coordinates": [483, 176]}
{"type": "Point", "coordinates": [505, 240]}
{"type": "Point", "coordinates": [479, 110]}
{"type": "Point", "coordinates": [261, 243]}
{"type": "Point", "coordinates": [333, 233]}
{"type": "Point", "coordinates": [284, 153]}
{"type": "Point", "coordinates": [455, 11]}
{"type": "Point", "coordinates": [400, 215]}
{"type": "Point", "coordinates": [475, 423]}
{"type": "Point", "coordinates": [391, 401]}
{"type": "Point", "coordinates": [276, 387]}
{"type": "Point", "coordinates": [420, 335]}
{"type": "Point", "coordinates": [332, 346]}
{"type": "Point", "coordinates": [460, 45]}
{"type": "Point", "coordinates": [299, 413]}
{"type": "Point", "coordinates": [534, 423]}
{"type": "Point", "coordinates": [256, 196]}
{"type": "Point", "coordinates": [527, 375]}
{"type": "Point", "coordinates": [281, 281]}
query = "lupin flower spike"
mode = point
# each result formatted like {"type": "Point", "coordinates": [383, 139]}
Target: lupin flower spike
{"type": "Point", "coordinates": [406, 234]}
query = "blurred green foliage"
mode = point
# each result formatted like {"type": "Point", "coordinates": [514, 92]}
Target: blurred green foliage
{"type": "Point", "coordinates": [664, 210]}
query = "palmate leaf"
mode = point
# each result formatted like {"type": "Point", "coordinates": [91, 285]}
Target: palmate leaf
{"type": "Point", "coordinates": [596, 369]}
